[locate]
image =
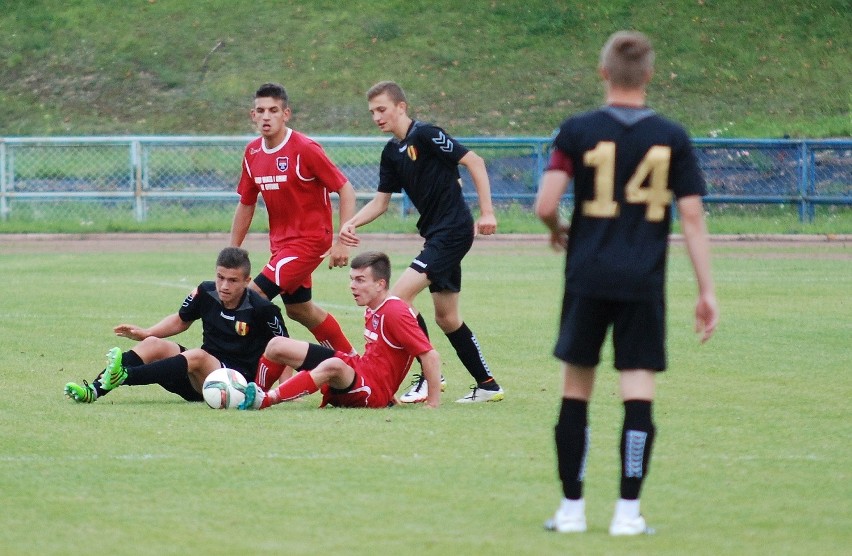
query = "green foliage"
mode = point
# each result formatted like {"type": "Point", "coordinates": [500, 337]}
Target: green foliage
{"type": "Point", "coordinates": [501, 68]}
{"type": "Point", "coordinates": [748, 424]}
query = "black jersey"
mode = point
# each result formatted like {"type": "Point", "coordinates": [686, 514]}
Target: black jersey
{"type": "Point", "coordinates": [425, 166]}
{"type": "Point", "coordinates": [235, 336]}
{"type": "Point", "coordinates": [628, 165]}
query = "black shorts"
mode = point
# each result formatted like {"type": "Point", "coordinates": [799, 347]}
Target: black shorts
{"type": "Point", "coordinates": [270, 289]}
{"type": "Point", "coordinates": [441, 260]}
{"type": "Point", "coordinates": [638, 332]}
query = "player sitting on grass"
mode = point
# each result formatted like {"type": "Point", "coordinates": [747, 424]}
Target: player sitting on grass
{"type": "Point", "coordinates": [238, 323]}
{"type": "Point", "coordinates": [393, 340]}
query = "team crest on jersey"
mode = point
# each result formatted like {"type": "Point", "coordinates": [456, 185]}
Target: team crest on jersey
{"type": "Point", "coordinates": [412, 152]}
{"type": "Point", "coordinates": [375, 322]}
{"type": "Point", "coordinates": [241, 327]}
{"type": "Point", "coordinates": [283, 162]}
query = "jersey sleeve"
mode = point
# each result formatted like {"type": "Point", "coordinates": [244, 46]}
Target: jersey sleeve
{"type": "Point", "coordinates": [440, 143]}
{"type": "Point", "coordinates": [389, 181]}
{"type": "Point", "coordinates": [190, 309]}
{"type": "Point", "coordinates": [401, 327]}
{"type": "Point", "coordinates": [247, 189]}
{"type": "Point", "coordinates": [560, 161]}
{"type": "Point", "coordinates": [686, 177]}
{"type": "Point", "coordinates": [316, 164]}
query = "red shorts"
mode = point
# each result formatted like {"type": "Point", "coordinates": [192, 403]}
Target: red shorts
{"type": "Point", "coordinates": [362, 393]}
{"type": "Point", "coordinates": [291, 269]}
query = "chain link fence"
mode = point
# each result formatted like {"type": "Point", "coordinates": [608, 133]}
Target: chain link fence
{"type": "Point", "coordinates": [189, 183]}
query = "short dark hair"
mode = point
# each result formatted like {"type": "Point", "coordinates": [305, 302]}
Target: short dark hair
{"type": "Point", "coordinates": [234, 257]}
{"type": "Point", "coordinates": [376, 261]}
{"type": "Point", "coordinates": [390, 88]}
{"type": "Point", "coordinates": [273, 90]}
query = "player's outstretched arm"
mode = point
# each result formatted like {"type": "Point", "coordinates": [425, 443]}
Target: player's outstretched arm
{"type": "Point", "coordinates": [552, 187]}
{"type": "Point", "coordinates": [369, 212]}
{"type": "Point", "coordinates": [486, 224]}
{"type": "Point", "coordinates": [691, 211]}
{"type": "Point", "coordinates": [169, 326]}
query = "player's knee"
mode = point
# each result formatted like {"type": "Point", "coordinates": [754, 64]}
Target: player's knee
{"type": "Point", "coordinates": [448, 323]}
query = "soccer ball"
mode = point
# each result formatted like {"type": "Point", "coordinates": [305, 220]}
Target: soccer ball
{"type": "Point", "coordinates": [224, 389]}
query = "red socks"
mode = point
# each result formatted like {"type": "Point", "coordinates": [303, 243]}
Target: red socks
{"type": "Point", "coordinates": [329, 334]}
{"type": "Point", "coordinates": [268, 372]}
{"type": "Point", "coordinates": [302, 384]}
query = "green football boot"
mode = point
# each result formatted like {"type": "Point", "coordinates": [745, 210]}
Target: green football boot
{"type": "Point", "coordinates": [115, 374]}
{"type": "Point", "coordinates": [81, 394]}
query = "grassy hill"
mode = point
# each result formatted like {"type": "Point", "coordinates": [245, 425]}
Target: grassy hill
{"type": "Point", "coordinates": [495, 68]}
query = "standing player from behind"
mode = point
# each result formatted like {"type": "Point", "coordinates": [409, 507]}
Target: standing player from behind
{"type": "Point", "coordinates": [237, 324]}
{"type": "Point", "coordinates": [626, 162]}
{"type": "Point", "coordinates": [295, 177]}
{"type": "Point", "coordinates": [422, 160]}
{"type": "Point", "coordinates": [393, 339]}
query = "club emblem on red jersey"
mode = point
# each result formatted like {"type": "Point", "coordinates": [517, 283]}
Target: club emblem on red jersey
{"type": "Point", "coordinates": [283, 162]}
{"type": "Point", "coordinates": [241, 327]}
{"type": "Point", "coordinates": [412, 152]}
{"type": "Point", "coordinates": [375, 322]}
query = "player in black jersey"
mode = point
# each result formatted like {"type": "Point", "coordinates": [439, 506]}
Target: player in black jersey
{"type": "Point", "coordinates": [237, 324]}
{"type": "Point", "coordinates": [422, 160]}
{"type": "Point", "coordinates": [628, 163]}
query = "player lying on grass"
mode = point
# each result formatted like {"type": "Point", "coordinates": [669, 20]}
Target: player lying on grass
{"type": "Point", "coordinates": [393, 341]}
{"type": "Point", "coordinates": [238, 323]}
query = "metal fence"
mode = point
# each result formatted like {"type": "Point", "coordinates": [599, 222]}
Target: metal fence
{"type": "Point", "coordinates": [169, 179]}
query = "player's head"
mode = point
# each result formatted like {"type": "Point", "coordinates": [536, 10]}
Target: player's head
{"type": "Point", "coordinates": [273, 90]}
{"type": "Point", "coordinates": [369, 277]}
{"type": "Point", "coordinates": [627, 60]}
{"type": "Point", "coordinates": [271, 112]}
{"type": "Point", "coordinates": [389, 108]}
{"type": "Point", "coordinates": [234, 258]}
{"type": "Point", "coordinates": [233, 274]}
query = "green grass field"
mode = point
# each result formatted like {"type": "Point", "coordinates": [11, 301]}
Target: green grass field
{"type": "Point", "coordinates": [752, 455]}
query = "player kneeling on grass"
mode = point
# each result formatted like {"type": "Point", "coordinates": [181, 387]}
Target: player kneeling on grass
{"type": "Point", "coordinates": [238, 323]}
{"type": "Point", "coordinates": [393, 341]}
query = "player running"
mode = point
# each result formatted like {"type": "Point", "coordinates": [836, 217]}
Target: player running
{"type": "Point", "coordinates": [393, 340]}
{"type": "Point", "coordinates": [422, 160]}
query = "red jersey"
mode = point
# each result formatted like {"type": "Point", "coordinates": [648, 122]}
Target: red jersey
{"type": "Point", "coordinates": [295, 179]}
{"type": "Point", "coordinates": [393, 340]}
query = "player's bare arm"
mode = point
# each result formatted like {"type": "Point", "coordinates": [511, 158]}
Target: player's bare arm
{"type": "Point", "coordinates": [169, 326]}
{"type": "Point", "coordinates": [553, 185]}
{"type": "Point", "coordinates": [431, 363]}
{"type": "Point", "coordinates": [486, 224]}
{"type": "Point", "coordinates": [691, 211]}
{"type": "Point", "coordinates": [240, 226]}
{"type": "Point", "coordinates": [369, 212]}
{"type": "Point", "coordinates": [339, 254]}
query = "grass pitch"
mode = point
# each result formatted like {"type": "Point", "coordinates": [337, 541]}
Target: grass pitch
{"type": "Point", "coordinates": [752, 454]}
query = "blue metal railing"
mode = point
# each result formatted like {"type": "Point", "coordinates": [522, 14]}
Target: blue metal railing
{"type": "Point", "coordinates": [805, 173]}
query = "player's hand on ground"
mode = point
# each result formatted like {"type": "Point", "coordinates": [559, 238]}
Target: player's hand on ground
{"type": "Point", "coordinates": [348, 237]}
{"type": "Point", "coordinates": [486, 224]}
{"type": "Point", "coordinates": [339, 255]}
{"type": "Point", "coordinates": [130, 331]}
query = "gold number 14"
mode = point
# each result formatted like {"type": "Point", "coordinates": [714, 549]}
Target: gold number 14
{"type": "Point", "coordinates": [654, 166]}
